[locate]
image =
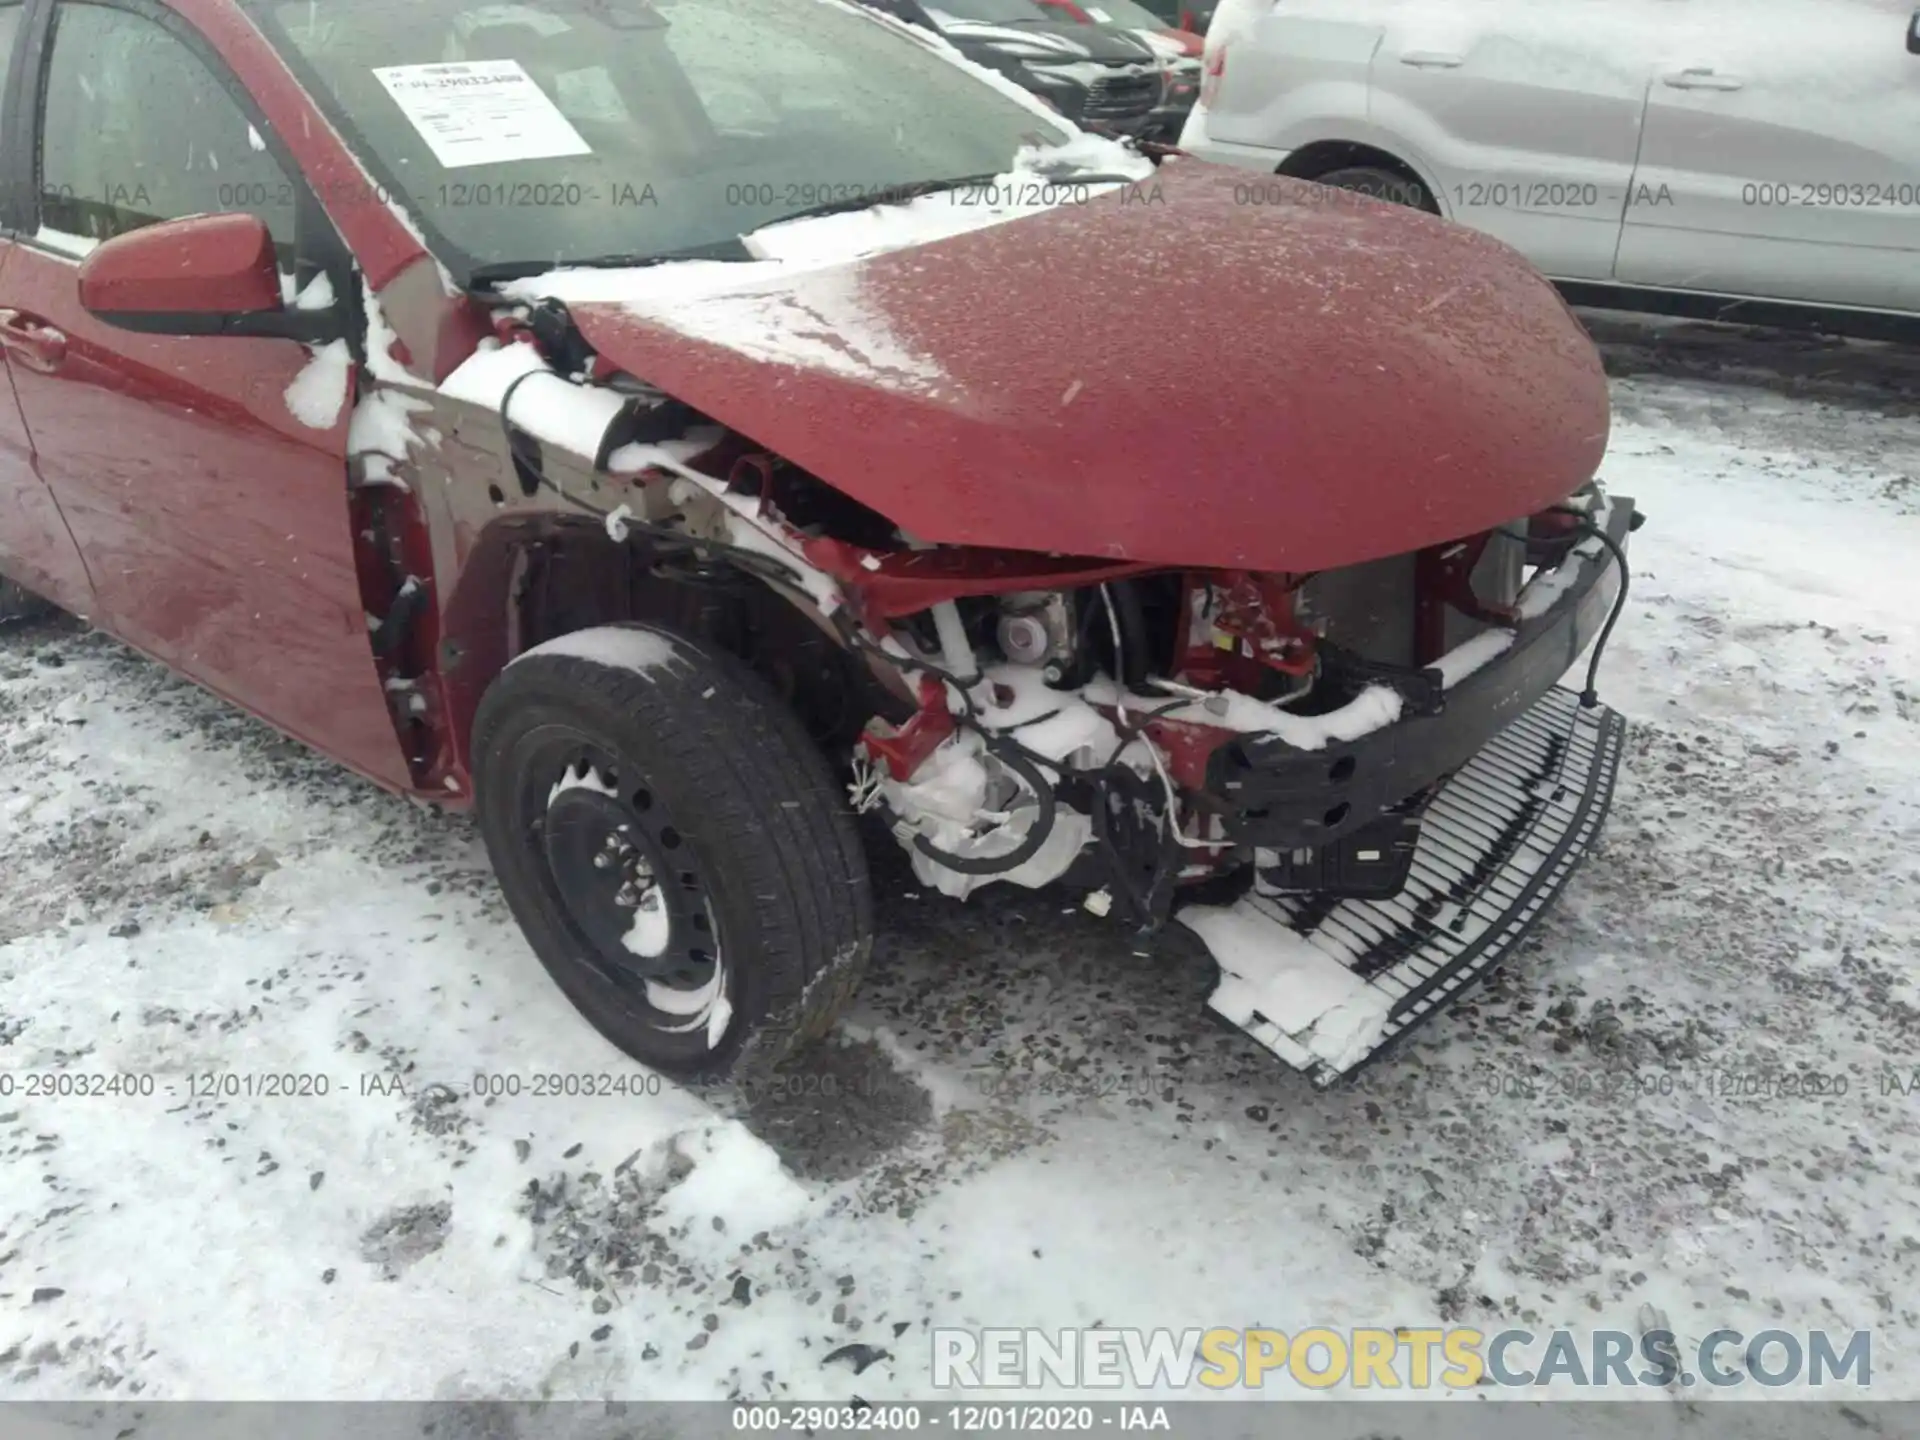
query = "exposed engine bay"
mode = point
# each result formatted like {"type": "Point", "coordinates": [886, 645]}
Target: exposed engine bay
{"type": "Point", "coordinates": [1073, 734]}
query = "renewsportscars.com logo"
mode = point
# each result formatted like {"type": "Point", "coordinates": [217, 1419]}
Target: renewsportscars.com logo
{"type": "Point", "coordinates": [1379, 1358]}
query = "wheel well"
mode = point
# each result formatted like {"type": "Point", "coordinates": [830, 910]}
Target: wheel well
{"type": "Point", "coordinates": [1323, 157]}
{"type": "Point", "coordinates": [533, 578]}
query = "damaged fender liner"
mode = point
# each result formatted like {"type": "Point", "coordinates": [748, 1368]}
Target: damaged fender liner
{"type": "Point", "coordinates": [1276, 796]}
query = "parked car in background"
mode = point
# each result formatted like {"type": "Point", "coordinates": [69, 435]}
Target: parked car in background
{"type": "Point", "coordinates": [1701, 157]}
{"type": "Point", "coordinates": [1179, 51]}
{"type": "Point", "coordinates": [1192, 16]}
{"type": "Point", "coordinates": [1100, 76]}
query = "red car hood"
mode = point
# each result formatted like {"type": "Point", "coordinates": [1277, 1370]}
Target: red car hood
{"type": "Point", "coordinates": [1210, 369]}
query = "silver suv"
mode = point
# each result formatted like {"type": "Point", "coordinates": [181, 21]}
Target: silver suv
{"type": "Point", "coordinates": [1707, 157]}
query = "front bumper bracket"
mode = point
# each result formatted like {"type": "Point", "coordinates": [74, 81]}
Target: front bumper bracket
{"type": "Point", "coordinates": [1271, 795]}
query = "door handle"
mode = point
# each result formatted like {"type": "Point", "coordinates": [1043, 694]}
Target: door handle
{"type": "Point", "coordinates": [1432, 60]}
{"type": "Point", "coordinates": [1701, 79]}
{"type": "Point", "coordinates": [36, 344]}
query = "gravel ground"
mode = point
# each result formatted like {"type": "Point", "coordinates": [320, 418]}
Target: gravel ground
{"type": "Point", "coordinates": [1023, 1121]}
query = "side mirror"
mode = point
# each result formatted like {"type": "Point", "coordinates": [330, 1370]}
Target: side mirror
{"type": "Point", "coordinates": [205, 275]}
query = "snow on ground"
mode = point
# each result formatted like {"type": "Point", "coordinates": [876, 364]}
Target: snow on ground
{"type": "Point", "coordinates": [1023, 1122]}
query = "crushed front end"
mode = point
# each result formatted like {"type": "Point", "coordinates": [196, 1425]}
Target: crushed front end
{"type": "Point", "coordinates": [1359, 788]}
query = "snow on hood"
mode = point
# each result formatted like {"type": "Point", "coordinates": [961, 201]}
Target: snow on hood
{"type": "Point", "coordinates": [831, 328]}
{"type": "Point", "coordinates": [1039, 178]}
{"type": "Point", "coordinates": [741, 304]}
{"type": "Point", "coordinates": [1316, 385]}
{"type": "Point", "coordinates": [1023, 44]}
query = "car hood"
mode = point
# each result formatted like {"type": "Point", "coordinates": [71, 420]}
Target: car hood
{"type": "Point", "coordinates": [1202, 369]}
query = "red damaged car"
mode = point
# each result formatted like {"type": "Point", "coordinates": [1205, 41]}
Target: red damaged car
{"type": "Point", "coordinates": [678, 428]}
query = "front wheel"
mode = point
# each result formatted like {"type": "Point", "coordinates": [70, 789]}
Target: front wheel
{"type": "Point", "coordinates": [674, 846]}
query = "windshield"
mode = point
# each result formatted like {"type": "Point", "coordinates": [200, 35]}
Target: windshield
{"type": "Point", "coordinates": [569, 130]}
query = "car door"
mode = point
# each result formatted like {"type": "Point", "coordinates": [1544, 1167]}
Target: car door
{"type": "Point", "coordinates": [1782, 158]}
{"type": "Point", "coordinates": [1525, 119]}
{"type": "Point", "coordinates": [214, 519]}
{"type": "Point", "coordinates": [35, 548]}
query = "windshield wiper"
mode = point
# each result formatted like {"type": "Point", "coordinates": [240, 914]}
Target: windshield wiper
{"type": "Point", "coordinates": [506, 271]}
{"type": "Point", "coordinates": [882, 195]}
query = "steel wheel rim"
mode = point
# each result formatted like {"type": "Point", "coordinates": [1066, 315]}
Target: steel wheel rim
{"type": "Point", "coordinates": [624, 881]}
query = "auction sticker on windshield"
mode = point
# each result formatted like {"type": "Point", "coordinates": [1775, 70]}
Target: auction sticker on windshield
{"type": "Point", "coordinates": [483, 112]}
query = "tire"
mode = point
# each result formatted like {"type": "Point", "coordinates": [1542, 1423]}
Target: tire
{"type": "Point", "coordinates": [1382, 184]}
{"type": "Point", "coordinates": [650, 806]}
{"type": "Point", "coordinates": [19, 603]}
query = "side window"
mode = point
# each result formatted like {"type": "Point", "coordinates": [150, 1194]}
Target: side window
{"type": "Point", "coordinates": [137, 129]}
